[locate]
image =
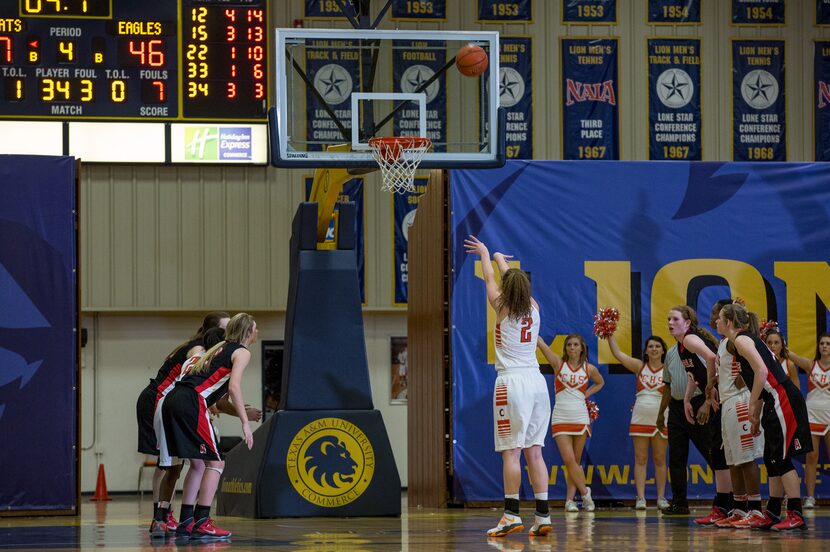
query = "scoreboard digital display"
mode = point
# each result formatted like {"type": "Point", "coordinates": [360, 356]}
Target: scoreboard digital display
{"type": "Point", "coordinates": [170, 60]}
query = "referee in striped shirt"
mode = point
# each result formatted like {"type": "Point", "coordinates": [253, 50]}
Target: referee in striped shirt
{"type": "Point", "coordinates": [680, 430]}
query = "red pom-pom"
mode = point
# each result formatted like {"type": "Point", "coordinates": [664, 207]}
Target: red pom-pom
{"type": "Point", "coordinates": [593, 410]}
{"type": "Point", "coordinates": [605, 322]}
{"type": "Point", "coordinates": [766, 326]}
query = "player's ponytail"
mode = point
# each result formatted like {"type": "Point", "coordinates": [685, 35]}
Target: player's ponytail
{"type": "Point", "coordinates": [689, 314]}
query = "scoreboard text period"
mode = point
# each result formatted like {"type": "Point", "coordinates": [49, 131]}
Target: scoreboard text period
{"type": "Point", "coordinates": [138, 60]}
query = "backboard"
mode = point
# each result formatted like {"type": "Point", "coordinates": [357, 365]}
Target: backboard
{"type": "Point", "coordinates": [339, 86]}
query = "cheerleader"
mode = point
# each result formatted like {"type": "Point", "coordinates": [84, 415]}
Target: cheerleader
{"type": "Point", "coordinates": [164, 479]}
{"type": "Point", "coordinates": [521, 404]}
{"type": "Point", "coordinates": [570, 423]}
{"type": "Point", "coordinates": [189, 432]}
{"type": "Point", "coordinates": [697, 348]}
{"type": "Point", "coordinates": [740, 447]}
{"type": "Point", "coordinates": [776, 404]}
{"type": "Point", "coordinates": [642, 429]}
{"type": "Point", "coordinates": [818, 408]}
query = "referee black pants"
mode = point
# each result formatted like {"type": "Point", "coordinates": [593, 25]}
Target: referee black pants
{"type": "Point", "coordinates": [680, 433]}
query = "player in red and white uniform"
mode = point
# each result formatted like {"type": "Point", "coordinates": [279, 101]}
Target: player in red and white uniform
{"type": "Point", "coordinates": [521, 404]}
{"type": "Point", "coordinates": [741, 448]}
{"type": "Point", "coordinates": [818, 409]}
{"type": "Point", "coordinates": [778, 405]}
{"type": "Point", "coordinates": [164, 479]}
{"type": "Point", "coordinates": [576, 380]}
{"type": "Point", "coordinates": [188, 428]}
{"type": "Point", "coordinates": [642, 428]}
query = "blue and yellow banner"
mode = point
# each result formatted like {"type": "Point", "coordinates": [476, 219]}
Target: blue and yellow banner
{"type": "Point", "coordinates": [641, 237]}
{"type": "Point", "coordinates": [333, 71]}
{"type": "Point", "coordinates": [822, 12]}
{"type": "Point", "coordinates": [590, 95]}
{"type": "Point", "coordinates": [414, 63]}
{"type": "Point", "coordinates": [759, 130]}
{"type": "Point", "coordinates": [758, 12]}
{"type": "Point", "coordinates": [821, 116]}
{"type": "Point", "coordinates": [673, 12]}
{"type": "Point", "coordinates": [419, 10]}
{"type": "Point", "coordinates": [674, 114]}
{"type": "Point", "coordinates": [403, 215]}
{"type": "Point", "coordinates": [589, 11]}
{"type": "Point", "coordinates": [516, 94]}
{"type": "Point", "coordinates": [498, 11]}
{"type": "Point", "coordinates": [352, 191]}
{"type": "Point", "coordinates": [325, 9]}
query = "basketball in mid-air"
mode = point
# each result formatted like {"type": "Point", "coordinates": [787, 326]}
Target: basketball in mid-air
{"type": "Point", "coordinates": [471, 60]}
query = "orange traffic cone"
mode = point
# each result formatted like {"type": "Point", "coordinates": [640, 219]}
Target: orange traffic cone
{"type": "Point", "coordinates": [100, 486]}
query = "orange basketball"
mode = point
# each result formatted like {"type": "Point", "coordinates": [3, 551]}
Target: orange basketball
{"type": "Point", "coordinates": [471, 60]}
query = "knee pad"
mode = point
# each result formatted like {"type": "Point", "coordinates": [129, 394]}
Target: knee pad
{"type": "Point", "coordinates": [217, 470]}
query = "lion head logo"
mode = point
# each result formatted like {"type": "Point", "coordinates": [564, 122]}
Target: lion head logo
{"type": "Point", "coordinates": [329, 462]}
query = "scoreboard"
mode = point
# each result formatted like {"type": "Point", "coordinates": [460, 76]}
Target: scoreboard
{"type": "Point", "coordinates": [134, 60]}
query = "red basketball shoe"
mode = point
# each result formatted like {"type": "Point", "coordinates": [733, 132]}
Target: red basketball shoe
{"type": "Point", "coordinates": [717, 514]}
{"type": "Point", "coordinates": [207, 530]}
{"type": "Point", "coordinates": [734, 515]}
{"type": "Point", "coordinates": [171, 523]}
{"type": "Point", "coordinates": [792, 521]}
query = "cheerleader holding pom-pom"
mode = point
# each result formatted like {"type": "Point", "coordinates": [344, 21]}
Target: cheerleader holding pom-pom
{"type": "Point", "coordinates": [571, 421]}
{"type": "Point", "coordinates": [642, 429]}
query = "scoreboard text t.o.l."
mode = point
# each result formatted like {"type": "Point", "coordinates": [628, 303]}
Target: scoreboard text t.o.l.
{"type": "Point", "coordinates": [169, 60]}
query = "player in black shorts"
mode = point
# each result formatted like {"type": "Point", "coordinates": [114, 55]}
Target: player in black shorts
{"type": "Point", "coordinates": [777, 406]}
{"type": "Point", "coordinates": [188, 429]}
{"type": "Point", "coordinates": [164, 480]}
{"type": "Point", "coordinates": [697, 349]}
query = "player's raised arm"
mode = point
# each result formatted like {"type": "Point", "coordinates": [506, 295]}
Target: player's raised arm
{"type": "Point", "coordinates": [475, 246]}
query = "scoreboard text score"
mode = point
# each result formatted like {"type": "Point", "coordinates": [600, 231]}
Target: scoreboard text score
{"type": "Point", "coordinates": [137, 60]}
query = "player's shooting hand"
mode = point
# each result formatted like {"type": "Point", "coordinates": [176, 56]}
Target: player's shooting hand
{"type": "Point", "coordinates": [473, 245]}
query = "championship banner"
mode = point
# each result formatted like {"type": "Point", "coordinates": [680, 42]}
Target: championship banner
{"type": "Point", "coordinates": [758, 12]}
{"type": "Point", "coordinates": [822, 12]}
{"type": "Point", "coordinates": [330, 69]}
{"type": "Point", "coordinates": [403, 215]}
{"type": "Point", "coordinates": [674, 12]}
{"type": "Point", "coordinates": [590, 114]}
{"type": "Point", "coordinates": [674, 115]}
{"type": "Point", "coordinates": [821, 116]}
{"type": "Point", "coordinates": [39, 327]}
{"type": "Point", "coordinates": [516, 94]}
{"type": "Point", "coordinates": [419, 10]}
{"type": "Point", "coordinates": [324, 9]}
{"type": "Point", "coordinates": [641, 237]}
{"type": "Point", "coordinates": [589, 11]}
{"type": "Point", "coordinates": [352, 191]}
{"type": "Point", "coordinates": [414, 63]}
{"type": "Point", "coordinates": [498, 11]}
{"type": "Point", "coordinates": [759, 131]}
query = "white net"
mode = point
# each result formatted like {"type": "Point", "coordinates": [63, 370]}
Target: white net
{"type": "Point", "coordinates": [398, 158]}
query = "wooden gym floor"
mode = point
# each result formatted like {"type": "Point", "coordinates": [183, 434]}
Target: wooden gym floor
{"type": "Point", "coordinates": [122, 525]}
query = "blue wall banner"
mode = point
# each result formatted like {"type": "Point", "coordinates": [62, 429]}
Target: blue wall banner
{"type": "Point", "coordinates": [403, 215]}
{"type": "Point", "coordinates": [590, 94]}
{"type": "Point", "coordinates": [419, 10]}
{"type": "Point", "coordinates": [759, 112]}
{"type": "Point", "coordinates": [642, 237]}
{"type": "Point", "coordinates": [324, 9]}
{"type": "Point", "coordinates": [674, 12]}
{"type": "Point", "coordinates": [758, 12]}
{"type": "Point", "coordinates": [352, 191]}
{"type": "Point", "coordinates": [414, 63]}
{"type": "Point", "coordinates": [589, 11]}
{"type": "Point", "coordinates": [822, 12]}
{"type": "Point", "coordinates": [333, 75]}
{"type": "Point", "coordinates": [39, 346]}
{"type": "Point", "coordinates": [497, 11]}
{"type": "Point", "coordinates": [821, 115]}
{"type": "Point", "coordinates": [516, 94]}
{"type": "Point", "coordinates": [674, 115]}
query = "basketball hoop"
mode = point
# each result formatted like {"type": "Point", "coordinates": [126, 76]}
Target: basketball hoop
{"type": "Point", "coordinates": [398, 158]}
